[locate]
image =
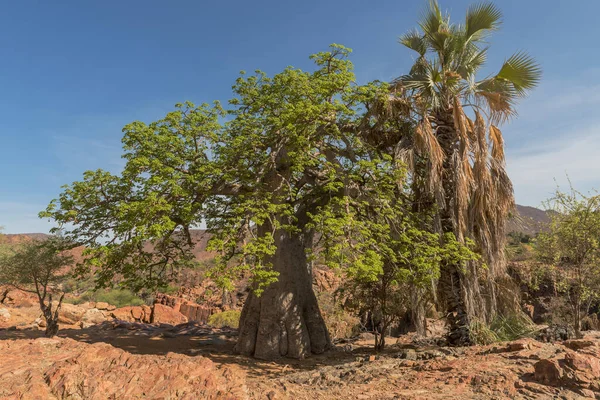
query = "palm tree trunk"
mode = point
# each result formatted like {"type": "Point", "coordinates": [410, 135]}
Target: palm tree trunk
{"type": "Point", "coordinates": [451, 283]}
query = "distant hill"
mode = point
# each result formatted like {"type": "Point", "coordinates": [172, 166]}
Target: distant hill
{"type": "Point", "coordinates": [528, 220]}
{"type": "Point", "coordinates": [16, 238]}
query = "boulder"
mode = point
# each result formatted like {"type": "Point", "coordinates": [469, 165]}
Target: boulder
{"type": "Point", "coordinates": [70, 314]}
{"type": "Point", "coordinates": [4, 314]}
{"type": "Point", "coordinates": [92, 317]}
{"type": "Point", "coordinates": [132, 313]}
{"type": "Point", "coordinates": [196, 312]}
{"type": "Point", "coordinates": [548, 372]}
{"type": "Point", "coordinates": [583, 364]}
{"type": "Point", "coordinates": [579, 344]}
{"type": "Point", "coordinates": [17, 298]}
{"type": "Point", "coordinates": [170, 301]}
{"type": "Point", "coordinates": [105, 306]}
{"type": "Point", "coordinates": [166, 315]}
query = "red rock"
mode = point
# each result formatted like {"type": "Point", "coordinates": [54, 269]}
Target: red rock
{"type": "Point", "coordinates": [548, 371]}
{"type": "Point", "coordinates": [64, 368]}
{"type": "Point", "coordinates": [170, 301]}
{"type": "Point", "coordinates": [70, 314]}
{"type": "Point", "coordinates": [18, 298]}
{"type": "Point", "coordinates": [132, 314]}
{"type": "Point", "coordinates": [105, 306]}
{"type": "Point", "coordinates": [585, 363]}
{"type": "Point", "coordinates": [91, 317]}
{"type": "Point", "coordinates": [166, 315]}
{"type": "Point", "coordinates": [578, 344]}
{"type": "Point", "coordinates": [196, 312]}
{"type": "Point", "coordinates": [518, 346]}
{"type": "Point", "coordinates": [4, 314]}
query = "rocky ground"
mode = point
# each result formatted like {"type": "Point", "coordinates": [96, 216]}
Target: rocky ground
{"type": "Point", "coordinates": [154, 353]}
{"type": "Point", "coordinates": [119, 359]}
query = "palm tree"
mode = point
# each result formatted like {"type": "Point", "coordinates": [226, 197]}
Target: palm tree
{"type": "Point", "coordinates": [455, 149]}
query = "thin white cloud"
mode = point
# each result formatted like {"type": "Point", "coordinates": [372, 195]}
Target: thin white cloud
{"type": "Point", "coordinates": [22, 218]}
{"type": "Point", "coordinates": [557, 134]}
{"type": "Point", "coordinates": [536, 171]}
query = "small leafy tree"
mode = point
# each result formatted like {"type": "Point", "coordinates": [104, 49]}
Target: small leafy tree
{"type": "Point", "coordinates": [38, 267]}
{"type": "Point", "coordinates": [389, 254]}
{"type": "Point", "coordinates": [570, 250]}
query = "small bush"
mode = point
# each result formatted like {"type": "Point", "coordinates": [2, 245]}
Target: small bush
{"type": "Point", "coordinates": [119, 297]}
{"type": "Point", "coordinates": [169, 289]}
{"type": "Point", "coordinates": [229, 318]}
{"type": "Point", "coordinates": [512, 327]}
{"type": "Point", "coordinates": [480, 333]}
{"type": "Point", "coordinates": [342, 325]}
{"type": "Point", "coordinates": [502, 329]}
{"type": "Point", "coordinates": [116, 297]}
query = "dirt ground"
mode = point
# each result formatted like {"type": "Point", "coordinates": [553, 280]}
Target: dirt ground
{"type": "Point", "coordinates": [408, 369]}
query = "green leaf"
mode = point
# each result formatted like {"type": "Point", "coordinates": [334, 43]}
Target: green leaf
{"type": "Point", "coordinates": [522, 71]}
{"type": "Point", "coordinates": [414, 41]}
{"type": "Point", "coordinates": [480, 18]}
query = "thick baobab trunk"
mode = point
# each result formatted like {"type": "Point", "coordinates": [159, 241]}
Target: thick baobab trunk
{"type": "Point", "coordinates": [285, 320]}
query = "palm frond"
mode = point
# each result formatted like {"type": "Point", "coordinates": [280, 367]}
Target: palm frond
{"type": "Point", "coordinates": [428, 146]}
{"type": "Point", "coordinates": [472, 59]}
{"type": "Point", "coordinates": [425, 83]}
{"type": "Point", "coordinates": [414, 41]}
{"type": "Point", "coordinates": [482, 18]}
{"type": "Point", "coordinates": [522, 71]}
{"type": "Point", "coordinates": [497, 143]}
{"type": "Point", "coordinates": [431, 19]}
{"type": "Point", "coordinates": [499, 97]}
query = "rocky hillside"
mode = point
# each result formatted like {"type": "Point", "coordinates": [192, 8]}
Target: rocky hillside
{"type": "Point", "coordinates": [528, 220]}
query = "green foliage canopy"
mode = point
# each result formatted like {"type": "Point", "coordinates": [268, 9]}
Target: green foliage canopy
{"type": "Point", "coordinates": [36, 266]}
{"type": "Point", "coordinates": [282, 157]}
{"type": "Point", "coordinates": [570, 249]}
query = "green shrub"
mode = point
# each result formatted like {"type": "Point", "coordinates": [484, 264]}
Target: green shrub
{"type": "Point", "coordinates": [502, 329]}
{"type": "Point", "coordinates": [229, 318]}
{"type": "Point", "coordinates": [480, 333]}
{"type": "Point", "coordinates": [115, 297]}
{"type": "Point", "coordinates": [169, 289]}
{"type": "Point", "coordinates": [512, 327]}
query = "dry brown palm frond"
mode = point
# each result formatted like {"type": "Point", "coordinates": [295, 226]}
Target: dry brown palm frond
{"type": "Point", "coordinates": [504, 204]}
{"type": "Point", "coordinates": [497, 143]}
{"type": "Point", "coordinates": [404, 153]}
{"type": "Point", "coordinates": [460, 120]}
{"type": "Point", "coordinates": [484, 197]}
{"type": "Point", "coordinates": [398, 105]}
{"type": "Point", "coordinates": [429, 148]}
{"type": "Point", "coordinates": [499, 106]}
{"type": "Point", "coordinates": [479, 130]}
{"type": "Point", "coordinates": [462, 169]}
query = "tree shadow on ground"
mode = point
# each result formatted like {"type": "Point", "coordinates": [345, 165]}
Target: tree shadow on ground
{"type": "Point", "coordinates": [217, 346]}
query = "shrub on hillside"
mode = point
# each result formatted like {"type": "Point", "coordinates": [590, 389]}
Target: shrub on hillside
{"type": "Point", "coordinates": [223, 319]}
{"type": "Point", "coordinates": [115, 297]}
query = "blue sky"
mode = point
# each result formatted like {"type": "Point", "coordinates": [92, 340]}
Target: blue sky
{"type": "Point", "coordinates": [73, 73]}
